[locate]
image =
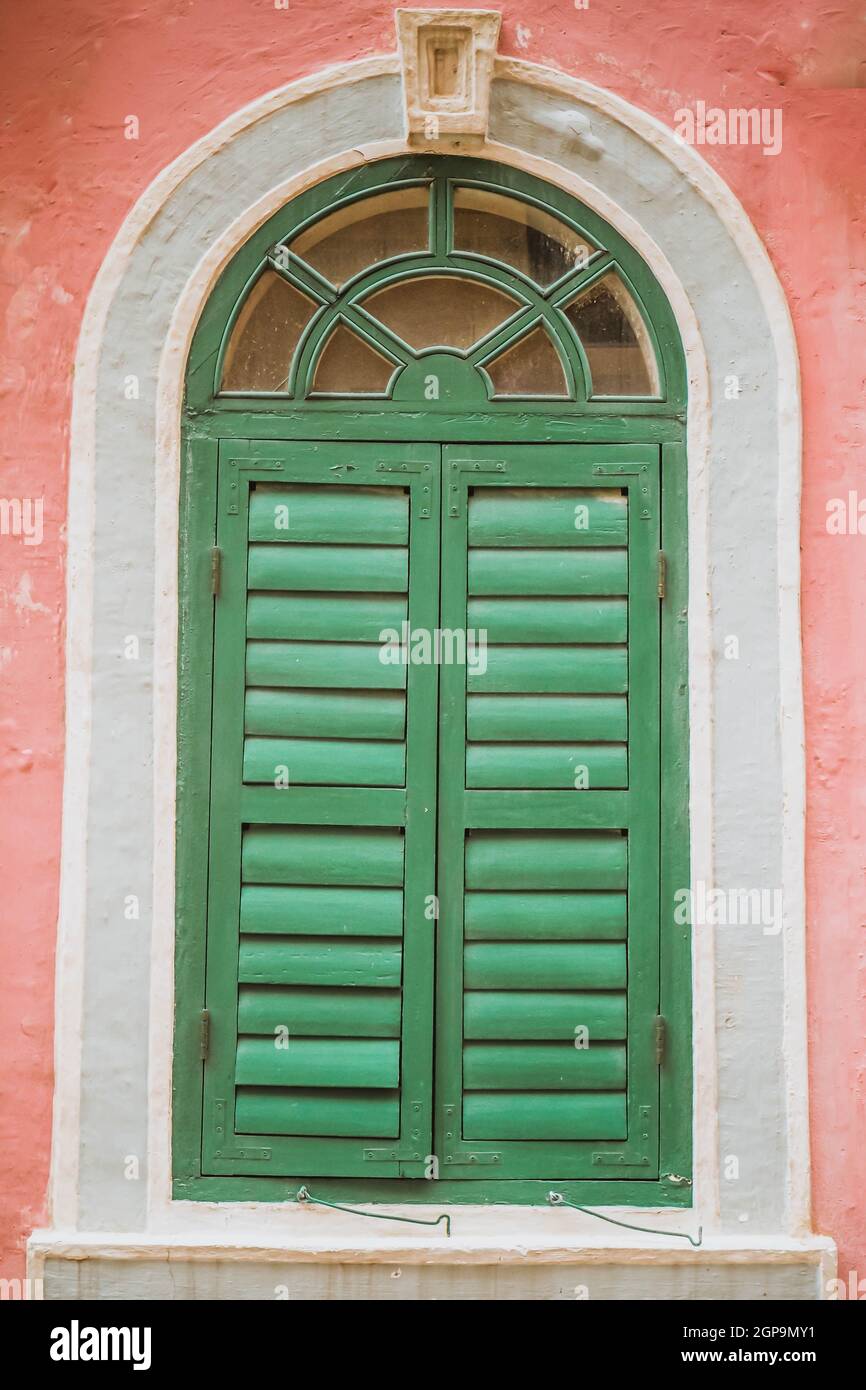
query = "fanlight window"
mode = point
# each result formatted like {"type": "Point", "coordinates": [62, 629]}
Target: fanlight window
{"type": "Point", "coordinates": [532, 306]}
{"type": "Point", "coordinates": [266, 333]}
{"type": "Point", "coordinates": [343, 243]}
{"type": "Point", "coordinates": [615, 340]}
{"type": "Point", "coordinates": [441, 311]}
{"type": "Point", "coordinates": [531, 367]}
{"type": "Point", "coordinates": [348, 363]}
{"type": "Point", "coordinates": [541, 247]}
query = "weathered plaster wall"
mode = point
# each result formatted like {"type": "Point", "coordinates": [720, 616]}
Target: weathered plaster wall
{"type": "Point", "coordinates": [182, 65]}
{"type": "Point", "coordinates": [400, 1280]}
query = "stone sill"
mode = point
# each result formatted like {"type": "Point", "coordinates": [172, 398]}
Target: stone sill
{"type": "Point", "coordinates": [529, 1259]}
{"type": "Point", "coordinates": [522, 1247]}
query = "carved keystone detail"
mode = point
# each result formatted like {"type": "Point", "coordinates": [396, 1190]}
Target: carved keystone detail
{"type": "Point", "coordinates": [447, 59]}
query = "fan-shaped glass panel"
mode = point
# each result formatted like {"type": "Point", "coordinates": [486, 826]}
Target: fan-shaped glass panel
{"type": "Point", "coordinates": [615, 339]}
{"type": "Point", "coordinates": [347, 241]}
{"type": "Point", "coordinates": [530, 367]}
{"type": "Point", "coordinates": [441, 310]}
{"type": "Point", "coordinates": [520, 234]}
{"type": "Point", "coordinates": [265, 335]}
{"type": "Point", "coordinates": [349, 366]}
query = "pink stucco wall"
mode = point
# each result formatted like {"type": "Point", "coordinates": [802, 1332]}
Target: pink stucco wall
{"type": "Point", "coordinates": [75, 70]}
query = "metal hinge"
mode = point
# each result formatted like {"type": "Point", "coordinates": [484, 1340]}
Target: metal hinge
{"type": "Point", "coordinates": [223, 1136]}
{"type": "Point", "coordinates": [660, 1033]}
{"type": "Point", "coordinates": [238, 466]}
{"type": "Point", "coordinates": [402, 467]}
{"type": "Point", "coordinates": [459, 466]}
{"type": "Point", "coordinates": [619, 470]}
{"type": "Point", "coordinates": [392, 1156]}
{"type": "Point", "coordinates": [469, 1160]}
{"type": "Point", "coordinates": [616, 1157]}
{"type": "Point", "coordinates": [216, 565]}
{"type": "Point", "coordinates": [204, 1034]}
{"type": "Point", "coordinates": [663, 574]}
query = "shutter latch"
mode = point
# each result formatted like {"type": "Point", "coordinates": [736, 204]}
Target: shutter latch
{"type": "Point", "coordinates": [204, 1034]}
{"type": "Point", "coordinates": [660, 1034]}
{"type": "Point", "coordinates": [216, 565]}
{"type": "Point", "coordinates": [663, 574]}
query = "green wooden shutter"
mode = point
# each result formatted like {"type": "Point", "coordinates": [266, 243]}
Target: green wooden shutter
{"type": "Point", "coordinates": [321, 940]}
{"type": "Point", "coordinates": [549, 815]}
{"type": "Point", "coordinates": [320, 956]}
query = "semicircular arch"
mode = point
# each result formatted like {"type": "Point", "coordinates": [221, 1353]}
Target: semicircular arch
{"type": "Point", "coordinates": [439, 254]}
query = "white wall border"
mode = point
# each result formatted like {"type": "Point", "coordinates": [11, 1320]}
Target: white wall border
{"type": "Point", "coordinates": [700, 176]}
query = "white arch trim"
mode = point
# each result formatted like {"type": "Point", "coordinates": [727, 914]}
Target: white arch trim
{"type": "Point", "coordinates": [71, 954]}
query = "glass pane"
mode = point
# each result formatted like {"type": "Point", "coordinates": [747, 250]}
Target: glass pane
{"type": "Point", "coordinates": [441, 310]}
{"type": "Point", "coordinates": [352, 238]}
{"type": "Point", "coordinates": [530, 368]}
{"type": "Point", "coordinates": [489, 224]}
{"type": "Point", "coordinates": [266, 333]}
{"type": "Point", "coordinates": [349, 366]}
{"type": "Point", "coordinates": [615, 339]}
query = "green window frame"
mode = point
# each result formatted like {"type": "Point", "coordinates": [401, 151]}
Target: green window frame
{"type": "Point", "coordinates": [475, 443]}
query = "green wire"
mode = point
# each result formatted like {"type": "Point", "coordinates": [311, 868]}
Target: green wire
{"type": "Point", "coordinates": [556, 1199]}
{"type": "Point", "coordinates": [304, 1195]}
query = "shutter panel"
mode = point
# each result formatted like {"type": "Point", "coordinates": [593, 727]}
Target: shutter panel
{"type": "Point", "coordinates": [320, 960]}
{"type": "Point", "coordinates": [549, 815]}
{"type": "Point", "coordinates": [324, 797]}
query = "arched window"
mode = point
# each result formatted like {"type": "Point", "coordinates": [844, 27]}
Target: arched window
{"type": "Point", "coordinates": [525, 298]}
{"type": "Point", "coordinates": [430, 406]}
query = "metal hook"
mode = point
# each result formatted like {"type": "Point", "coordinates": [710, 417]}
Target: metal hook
{"type": "Point", "coordinates": [556, 1199]}
{"type": "Point", "coordinates": [304, 1195]}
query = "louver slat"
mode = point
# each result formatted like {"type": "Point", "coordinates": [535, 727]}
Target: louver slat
{"type": "Point", "coordinates": [314, 961]}
{"type": "Point", "coordinates": [337, 1013]}
{"type": "Point", "coordinates": [548, 571]}
{"type": "Point", "coordinates": [534, 620]}
{"type": "Point", "coordinates": [348, 516]}
{"type": "Point", "coordinates": [314, 1062]}
{"type": "Point", "coordinates": [307, 854]}
{"type": "Point", "coordinates": [545, 719]}
{"type": "Point", "coordinates": [502, 1115]}
{"type": "Point", "coordinates": [324, 617]}
{"type": "Point", "coordinates": [541, 1066]}
{"type": "Point", "coordinates": [326, 713]}
{"type": "Point", "coordinates": [327, 1112]}
{"type": "Point", "coordinates": [556, 916]}
{"type": "Point", "coordinates": [539, 1014]}
{"type": "Point", "coordinates": [315, 911]}
{"type": "Point", "coordinates": [352, 568]}
{"type": "Point", "coordinates": [546, 860]}
{"type": "Point", "coordinates": [324, 762]}
{"type": "Point", "coordinates": [577, 670]}
{"type": "Point", "coordinates": [547, 765]}
{"type": "Point", "coordinates": [544, 965]}
{"type": "Point", "coordinates": [341, 665]}
{"type": "Point", "coordinates": [547, 517]}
